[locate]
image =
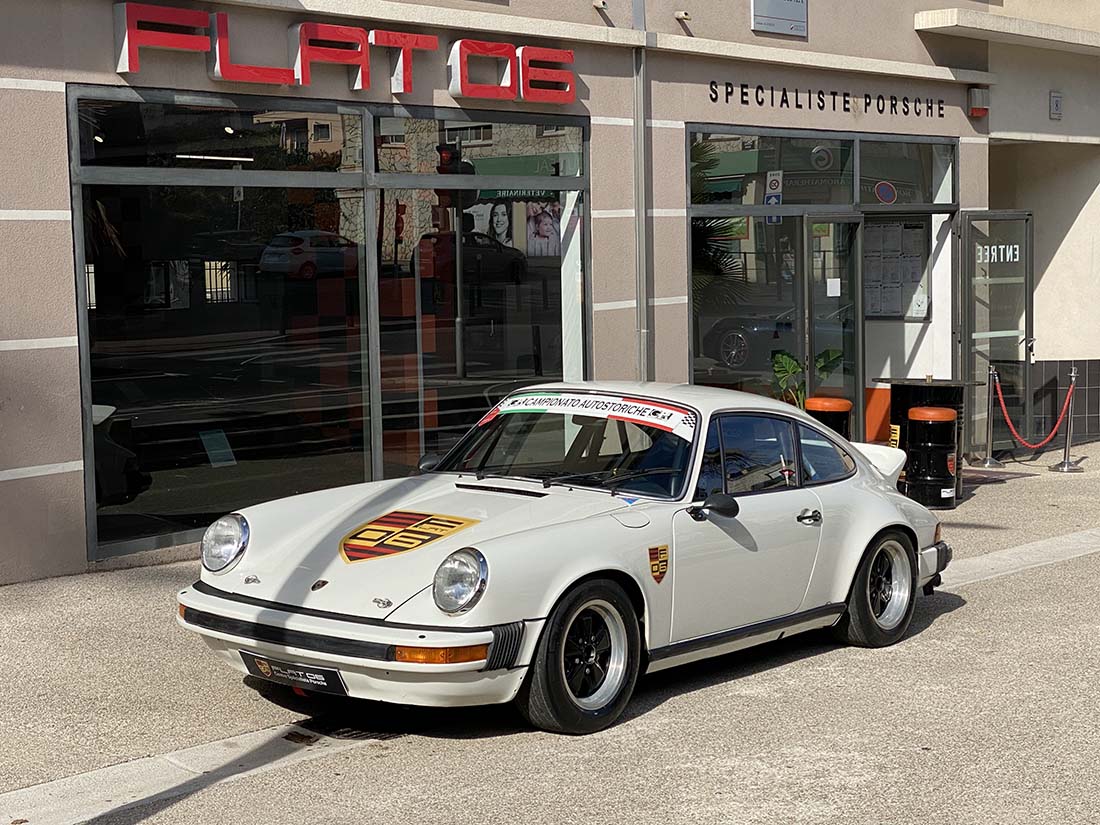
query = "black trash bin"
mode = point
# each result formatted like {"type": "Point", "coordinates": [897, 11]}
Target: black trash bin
{"type": "Point", "coordinates": [834, 413]}
{"type": "Point", "coordinates": [930, 467]}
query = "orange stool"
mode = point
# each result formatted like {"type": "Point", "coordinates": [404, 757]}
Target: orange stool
{"type": "Point", "coordinates": [834, 413]}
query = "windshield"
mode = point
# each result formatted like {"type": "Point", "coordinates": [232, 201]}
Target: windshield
{"type": "Point", "coordinates": [620, 444]}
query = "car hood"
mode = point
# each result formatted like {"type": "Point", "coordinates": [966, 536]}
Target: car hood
{"type": "Point", "coordinates": [296, 543]}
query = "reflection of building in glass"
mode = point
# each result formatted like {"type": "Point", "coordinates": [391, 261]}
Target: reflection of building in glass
{"type": "Point", "coordinates": [513, 218]}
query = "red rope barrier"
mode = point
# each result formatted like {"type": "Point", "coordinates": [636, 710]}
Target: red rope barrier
{"type": "Point", "coordinates": [1012, 429]}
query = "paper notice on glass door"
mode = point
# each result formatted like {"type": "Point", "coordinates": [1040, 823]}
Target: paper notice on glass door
{"type": "Point", "coordinates": [912, 268]}
{"type": "Point", "coordinates": [872, 238]}
{"type": "Point", "coordinates": [872, 299]}
{"type": "Point", "coordinates": [891, 270]}
{"type": "Point", "coordinates": [913, 241]}
{"type": "Point", "coordinates": [891, 238]}
{"type": "Point", "coordinates": [872, 269]}
{"type": "Point", "coordinates": [918, 303]}
{"type": "Point", "coordinates": [891, 299]}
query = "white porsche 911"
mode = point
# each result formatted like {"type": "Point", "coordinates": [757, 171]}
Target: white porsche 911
{"type": "Point", "coordinates": [579, 535]}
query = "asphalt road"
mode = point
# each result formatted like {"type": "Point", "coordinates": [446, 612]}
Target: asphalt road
{"type": "Point", "coordinates": [984, 713]}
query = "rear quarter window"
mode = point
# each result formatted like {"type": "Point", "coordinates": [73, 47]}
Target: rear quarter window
{"type": "Point", "coordinates": [822, 460]}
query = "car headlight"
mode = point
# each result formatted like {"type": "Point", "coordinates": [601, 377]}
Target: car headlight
{"type": "Point", "coordinates": [224, 541]}
{"type": "Point", "coordinates": [460, 580]}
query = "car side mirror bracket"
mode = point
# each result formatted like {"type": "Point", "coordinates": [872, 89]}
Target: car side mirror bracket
{"type": "Point", "coordinates": [720, 504]}
{"type": "Point", "coordinates": [428, 462]}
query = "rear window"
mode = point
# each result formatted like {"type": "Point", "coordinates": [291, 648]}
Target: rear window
{"type": "Point", "coordinates": [286, 240]}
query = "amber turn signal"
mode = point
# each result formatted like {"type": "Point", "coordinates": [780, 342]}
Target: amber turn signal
{"type": "Point", "coordinates": [939, 534]}
{"type": "Point", "coordinates": [182, 608]}
{"type": "Point", "coordinates": [441, 655]}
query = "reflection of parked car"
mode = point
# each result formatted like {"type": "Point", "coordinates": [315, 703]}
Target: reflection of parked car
{"type": "Point", "coordinates": [118, 478]}
{"type": "Point", "coordinates": [483, 259]}
{"type": "Point", "coordinates": [749, 340]}
{"type": "Point", "coordinates": [310, 254]}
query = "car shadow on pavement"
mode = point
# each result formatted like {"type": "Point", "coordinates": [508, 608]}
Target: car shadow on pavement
{"type": "Point", "coordinates": [355, 719]}
{"type": "Point", "coordinates": [657, 688]}
{"type": "Point", "coordinates": [341, 717]}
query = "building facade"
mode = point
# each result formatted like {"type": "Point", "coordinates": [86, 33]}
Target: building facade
{"type": "Point", "coordinates": [249, 252]}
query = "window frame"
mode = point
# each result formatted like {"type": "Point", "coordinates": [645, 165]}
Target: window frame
{"type": "Point", "coordinates": [743, 413]}
{"type": "Point", "coordinates": [833, 443]}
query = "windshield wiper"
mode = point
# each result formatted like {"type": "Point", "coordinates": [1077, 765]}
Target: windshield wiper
{"type": "Point", "coordinates": [612, 483]}
{"type": "Point", "coordinates": [567, 477]}
{"type": "Point", "coordinates": [483, 474]}
{"type": "Point", "coordinates": [608, 483]}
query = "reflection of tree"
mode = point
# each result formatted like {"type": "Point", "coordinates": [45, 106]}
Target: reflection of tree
{"type": "Point", "coordinates": [718, 277]}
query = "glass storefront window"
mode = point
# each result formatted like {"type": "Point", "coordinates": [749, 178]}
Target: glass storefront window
{"type": "Point", "coordinates": [465, 323]}
{"type": "Point", "coordinates": [120, 133]}
{"type": "Point", "coordinates": [225, 343]}
{"type": "Point", "coordinates": [905, 173]}
{"type": "Point", "coordinates": [229, 362]}
{"type": "Point", "coordinates": [733, 169]}
{"type": "Point", "coordinates": [476, 147]}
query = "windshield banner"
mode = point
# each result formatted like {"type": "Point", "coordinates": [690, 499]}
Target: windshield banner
{"type": "Point", "coordinates": [677, 420]}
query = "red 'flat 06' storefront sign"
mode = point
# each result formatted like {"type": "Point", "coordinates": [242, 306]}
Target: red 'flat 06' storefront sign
{"type": "Point", "coordinates": [530, 73]}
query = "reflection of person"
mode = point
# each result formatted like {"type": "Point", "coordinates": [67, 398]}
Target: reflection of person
{"type": "Point", "coordinates": [543, 234]}
{"type": "Point", "coordinates": [500, 223]}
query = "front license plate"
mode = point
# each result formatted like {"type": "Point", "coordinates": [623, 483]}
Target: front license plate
{"type": "Point", "coordinates": [320, 679]}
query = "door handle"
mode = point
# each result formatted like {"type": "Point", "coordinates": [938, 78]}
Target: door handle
{"type": "Point", "coordinates": [809, 517]}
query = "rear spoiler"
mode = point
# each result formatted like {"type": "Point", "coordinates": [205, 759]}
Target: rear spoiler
{"type": "Point", "coordinates": [887, 460]}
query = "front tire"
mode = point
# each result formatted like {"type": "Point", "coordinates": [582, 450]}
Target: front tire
{"type": "Point", "coordinates": [587, 661]}
{"type": "Point", "coordinates": [883, 595]}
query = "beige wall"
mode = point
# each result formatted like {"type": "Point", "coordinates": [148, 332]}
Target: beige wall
{"type": "Point", "coordinates": [880, 29]}
{"type": "Point", "coordinates": [41, 489]}
{"type": "Point", "coordinates": [1060, 184]}
{"type": "Point", "coordinates": [1020, 101]}
{"type": "Point", "coordinates": [1079, 14]}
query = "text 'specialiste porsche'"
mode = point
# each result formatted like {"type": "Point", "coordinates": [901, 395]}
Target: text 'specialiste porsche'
{"type": "Point", "coordinates": [578, 536]}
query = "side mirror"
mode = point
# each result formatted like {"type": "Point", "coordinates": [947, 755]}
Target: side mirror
{"type": "Point", "coordinates": [428, 462]}
{"type": "Point", "coordinates": [721, 504]}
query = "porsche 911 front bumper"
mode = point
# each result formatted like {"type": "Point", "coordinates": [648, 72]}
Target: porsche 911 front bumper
{"type": "Point", "coordinates": [358, 657]}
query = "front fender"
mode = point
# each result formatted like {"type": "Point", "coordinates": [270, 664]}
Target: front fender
{"type": "Point", "coordinates": [530, 572]}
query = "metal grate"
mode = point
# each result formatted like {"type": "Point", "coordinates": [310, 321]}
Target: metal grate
{"type": "Point", "coordinates": [504, 649]}
{"type": "Point", "coordinates": [339, 729]}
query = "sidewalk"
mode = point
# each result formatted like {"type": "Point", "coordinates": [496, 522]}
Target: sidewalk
{"type": "Point", "coordinates": [1023, 503]}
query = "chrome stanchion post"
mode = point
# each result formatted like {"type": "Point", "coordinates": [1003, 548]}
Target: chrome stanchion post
{"type": "Point", "coordinates": [1065, 465]}
{"type": "Point", "coordinates": [990, 463]}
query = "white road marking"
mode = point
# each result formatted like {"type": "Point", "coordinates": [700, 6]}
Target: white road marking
{"type": "Point", "coordinates": [962, 572]}
{"type": "Point", "coordinates": [159, 778]}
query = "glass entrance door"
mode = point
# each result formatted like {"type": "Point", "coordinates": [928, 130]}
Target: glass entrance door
{"type": "Point", "coordinates": [776, 305]}
{"type": "Point", "coordinates": [996, 304]}
{"type": "Point", "coordinates": [834, 363]}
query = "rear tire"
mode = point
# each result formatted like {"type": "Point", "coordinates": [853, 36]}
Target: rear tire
{"type": "Point", "coordinates": [883, 595]}
{"type": "Point", "coordinates": [586, 663]}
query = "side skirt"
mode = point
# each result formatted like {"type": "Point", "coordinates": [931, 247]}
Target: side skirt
{"type": "Point", "coordinates": [727, 641]}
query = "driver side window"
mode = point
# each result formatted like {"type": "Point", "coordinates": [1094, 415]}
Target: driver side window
{"type": "Point", "coordinates": [747, 454]}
